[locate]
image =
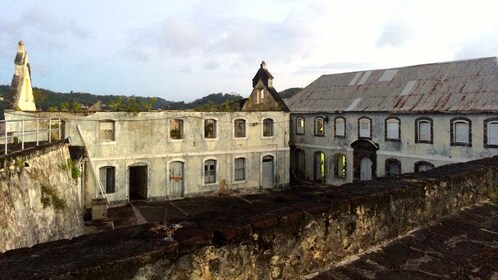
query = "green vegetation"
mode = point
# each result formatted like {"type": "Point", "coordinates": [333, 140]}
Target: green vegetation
{"type": "Point", "coordinates": [49, 197]}
{"type": "Point", "coordinates": [70, 165]}
{"type": "Point", "coordinates": [212, 107]}
{"type": "Point", "coordinates": [47, 100]}
{"type": "Point", "coordinates": [20, 162]}
{"type": "Point", "coordinates": [131, 104]}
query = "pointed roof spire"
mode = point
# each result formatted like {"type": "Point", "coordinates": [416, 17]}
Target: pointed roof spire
{"type": "Point", "coordinates": [264, 75]}
{"type": "Point", "coordinates": [20, 95]}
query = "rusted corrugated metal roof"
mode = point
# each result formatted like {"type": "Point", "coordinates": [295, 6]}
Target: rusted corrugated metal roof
{"type": "Point", "coordinates": [457, 86]}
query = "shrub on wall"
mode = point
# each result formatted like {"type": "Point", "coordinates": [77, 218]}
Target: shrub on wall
{"type": "Point", "coordinates": [49, 197]}
{"type": "Point", "coordinates": [70, 165]}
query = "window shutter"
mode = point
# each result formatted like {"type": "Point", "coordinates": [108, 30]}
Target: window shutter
{"type": "Point", "coordinates": [339, 127]}
{"type": "Point", "coordinates": [461, 132]}
{"type": "Point", "coordinates": [492, 133]}
{"type": "Point", "coordinates": [365, 128]}
{"type": "Point", "coordinates": [424, 131]}
{"type": "Point", "coordinates": [392, 129]}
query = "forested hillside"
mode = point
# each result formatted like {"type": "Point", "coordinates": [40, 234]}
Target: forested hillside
{"type": "Point", "coordinates": [288, 93]}
{"type": "Point", "coordinates": [48, 100]}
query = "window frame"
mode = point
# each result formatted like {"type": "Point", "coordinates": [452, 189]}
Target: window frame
{"type": "Point", "coordinates": [206, 171]}
{"type": "Point", "coordinates": [386, 134]}
{"type": "Point", "coordinates": [235, 128]}
{"type": "Point", "coordinates": [303, 127]}
{"type": "Point", "coordinates": [486, 138]}
{"type": "Point", "coordinates": [236, 169]}
{"type": "Point", "coordinates": [369, 121]}
{"type": "Point", "coordinates": [453, 132]}
{"type": "Point", "coordinates": [316, 121]}
{"type": "Point", "coordinates": [336, 166]}
{"type": "Point", "coordinates": [343, 128]}
{"type": "Point", "coordinates": [215, 130]}
{"type": "Point", "coordinates": [264, 125]}
{"type": "Point", "coordinates": [104, 139]}
{"type": "Point", "coordinates": [104, 181]}
{"type": "Point", "coordinates": [181, 129]}
{"type": "Point", "coordinates": [418, 121]}
{"type": "Point", "coordinates": [388, 163]}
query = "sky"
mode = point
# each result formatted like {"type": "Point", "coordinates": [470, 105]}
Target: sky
{"type": "Point", "coordinates": [184, 50]}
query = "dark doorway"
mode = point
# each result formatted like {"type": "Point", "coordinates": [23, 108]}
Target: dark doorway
{"type": "Point", "coordinates": [364, 159]}
{"type": "Point", "coordinates": [319, 170]}
{"type": "Point", "coordinates": [138, 182]}
{"type": "Point", "coordinates": [300, 169]}
{"type": "Point", "coordinates": [268, 176]}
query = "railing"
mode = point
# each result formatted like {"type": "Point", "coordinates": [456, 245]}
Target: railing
{"type": "Point", "coordinates": [15, 135]}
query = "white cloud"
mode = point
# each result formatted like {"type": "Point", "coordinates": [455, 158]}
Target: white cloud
{"type": "Point", "coordinates": [483, 45]}
{"type": "Point", "coordinates": [160, 47]}
{"type": "Point", "coordinates": [396, 34]}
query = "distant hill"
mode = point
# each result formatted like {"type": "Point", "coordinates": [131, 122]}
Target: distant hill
{"type": "Point", "coordinates": [49, 100]}
{"type": "Point", "coordinates": [288, 93]}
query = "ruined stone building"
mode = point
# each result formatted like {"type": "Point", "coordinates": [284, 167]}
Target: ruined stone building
{"type": "Point", "coordinates": [360, 125]}
{"type": "Point", "coordinates": [173, 154]}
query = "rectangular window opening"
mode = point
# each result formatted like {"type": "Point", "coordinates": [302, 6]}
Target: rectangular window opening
{"type": "Point", "coordinates": [240, 128]}
{"type": "Point", "coordinates": [176, 129]}
{"type": "Point", "coordinates": [240, 174]}
{"type": "Point", "coordinates": [106, 131]}
{"type": "Point", "coordinates": [210, 128]}
{"type": "Point", "coordinates": [210, 171]}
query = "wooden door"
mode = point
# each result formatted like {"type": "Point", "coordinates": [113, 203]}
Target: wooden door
{"type": "Point", "coordinates": [365, 169]}
{"type": "Point", "coordinates": [176, 187]}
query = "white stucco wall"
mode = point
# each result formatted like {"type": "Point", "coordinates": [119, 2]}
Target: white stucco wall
{"type": "Point", "coordinates": [145, 139]}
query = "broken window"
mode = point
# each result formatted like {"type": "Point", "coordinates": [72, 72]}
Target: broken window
{"type": "Point", "coordinates": [210, 171]}
{"type": "Point", "coordinates": [340, 165]}
{"type": "Point", "coordinates": [106, 131]}
{"type": "Point", "coordinates": [364, 129]}
{"type": "Point", "coordinates": [340, 127]}
{"type": "Point", "coordinates": [393, 167]}
{"type": "Point", "coordinates": [107, 178]}
{"type": "Point", "coordinates": [392, 129]}
{"type": "Point", "coordinates": [210, 128]}
{"type": "Point", "coordinates": [423, 130]}
{"type": "Point", "coordinates": [300, 126]}
{"type": "Point", "coordinates": [240, 128]}
{"type": "Point", "coordinates": [240, 169]}
{"type": "Point", "coordinates": [267, 127]}
{"type": "Point", "coordinates": [176, 129]}
{"type": "Point", "coordinates": [319, 129]}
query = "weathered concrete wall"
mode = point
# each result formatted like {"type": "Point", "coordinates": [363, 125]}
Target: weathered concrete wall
{"type": "Point", "coordinates": [144, 139]}
{"type": "Point", "coordinates": [280, 235]}
{"type": "Point", "coordinates": [406, 150]}
{"type": "Point", "coordinates": [40, 199]}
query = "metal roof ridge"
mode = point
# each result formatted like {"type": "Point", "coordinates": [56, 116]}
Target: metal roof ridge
{"type": "Point", "coordinates": [416, 65]}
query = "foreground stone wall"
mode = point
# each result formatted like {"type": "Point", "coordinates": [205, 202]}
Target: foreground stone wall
{"type": "Point", "coordinates": [335, 226]}
{"type": "Point", "coordinates": [280, 235]}
{"type": "Point", "coordinates": [40, 199]}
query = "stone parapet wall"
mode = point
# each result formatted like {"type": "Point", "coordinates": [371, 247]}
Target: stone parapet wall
{"type": "Point", "coordinates": [278, 235]}
{"type": "Point", "coordinates": [40, 198]}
